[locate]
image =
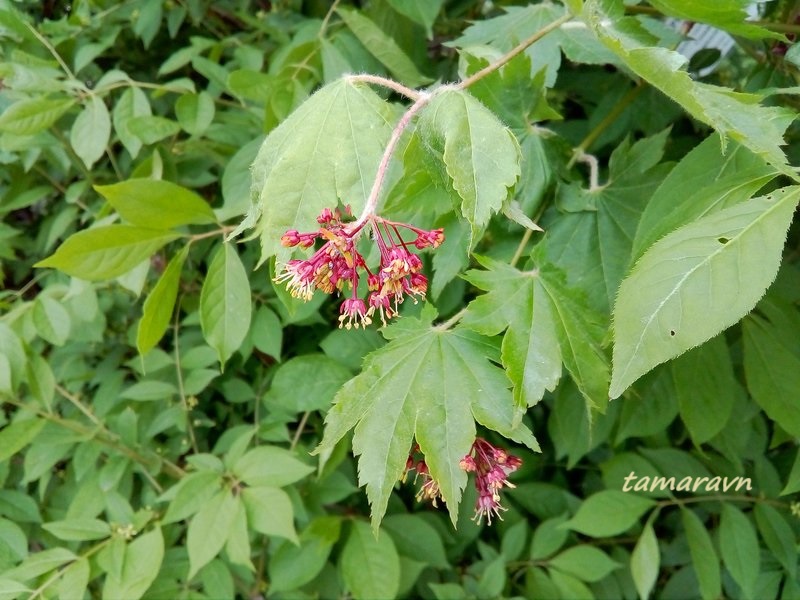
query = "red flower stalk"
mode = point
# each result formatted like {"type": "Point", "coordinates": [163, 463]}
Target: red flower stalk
{"type": "Point", "coordinates": [337, 263]}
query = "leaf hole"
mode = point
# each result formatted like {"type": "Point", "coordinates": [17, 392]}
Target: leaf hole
{"type": "Point", "coordinates": [672, 332]}
{"type": "Point", "coordinates": [723, 240]}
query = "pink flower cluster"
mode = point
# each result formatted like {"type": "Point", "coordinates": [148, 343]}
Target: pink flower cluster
{"type": "Point", "coordinates": [337, 265]}
{"type": "Point", "coordinates": [491, 465]}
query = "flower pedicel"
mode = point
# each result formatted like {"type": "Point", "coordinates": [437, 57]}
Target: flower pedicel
{"type": "Point", "coordinates": [338, 265]}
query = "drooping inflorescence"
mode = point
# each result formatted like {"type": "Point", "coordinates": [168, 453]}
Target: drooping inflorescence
{"type": "Point", "coordinates": [491, 465]}
{"type": "Point", "coordinates": [338, 265]}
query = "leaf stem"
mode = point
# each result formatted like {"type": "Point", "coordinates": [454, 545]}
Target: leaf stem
{"type": "Point", "coordinates": [521, 247]}
{"type": "Point", "coordinates": [323, 28]}
{"type": "Point", "coordinates": [299, 431]}
{"type": "Point", "coordinates": [521, 47]}
{"type": "Point", "coordinates": [594, 168]}
{"type": "Point", "coordinates": [224, 230]}
{"type": "Point", "coordinates": [387, 83]}
{"type": "Point", "coordinates": [51, 49]}
{"type": "Point", "coordinates": [452, 320]}
{"type": "Point", "coordinates": [76, 402]}
{"type": "Point", "coordinates": [104, 436]}
{"type": "Point", "coordinates": [612, 116]}
{"type": "Point", "coordinates": [372, 201]}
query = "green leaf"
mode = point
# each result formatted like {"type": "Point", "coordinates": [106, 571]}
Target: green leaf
{"type": "Point", "coordinates": [91, 131]}
{"type": "Point", "coordinates": [269, 511]}
{"type": "Point", "coordinates": [739, 546]}
{"type": "Point", "coordinates": [645, 562]}
{"type": "Point", "coordinates": [190, 494]}
{"type": "Point", "coordinates": [78, 529]}
{"type": "Point", "coordinates": [518, 301]}
{"type": "Point", "coordinates": [237, 544]}
{"type": "Point", "coordinates": [267, 333]}
{"type": "Point", "coordinates": [51, 319]}
{"type": "Point", "coordinates": [41, 380]}
{"type": "Point", "coordinates": [74, 579]}
{"type": "Point", "coordinates": [106, 252]}
{"type": "Point", "coordinates": [416, 538]}
{"type": "Point", "coordinates": [15, 362]}
{"type": "Point", "coordinates": [547, 323]}
{"type": "Point", "coordinates": [772, 362]}
{"type": "Point", "coordinates": [142, 563]}
{"type": "Point", "coordinates": [292, 567]}
{"type": "Point", "coordinates": [28, 117]}
{"type": "Point", "coordinates": [15, 436]}
{"type": "Point", "coordinates": [225, 304]}
{"type": "Point", "coordinates": [723, 14]}
{"type": "Point", "coordinates": [519, 23]}
{"type": "Point", "coordinates": [704, 181]}
{"type": "Point", "coordinates": [587, 563]}
{"type": "Point", "coordinates": [307, 382]}
{"type": "Point", "coordinates": [370, 566]}
{"type": "Point", "coordinates": [609, 512]}
{"type": "Point", "coordinates": [195, 112]}
{"type": "Point", "coordinates": [132, 103]}
{"type": "Point", "coordinates": [480, 154]}
{"type": "Point", "coordinates": [40, 563]}
{"type": "Point", "coordinates": [151, 129]}
{"type": "Point", "coordinates": [147, 390]}
{"type": "Point", "coordinates": [382, 47]}
{"type": "Point", "coordinates": [793, 479]}
{"type": "Point", "coordinates": [252, 85]}
{"type": "Point", "coordinates": [778, 535]}
{"type": "Point", "coordinates": [423, 12]}
{"type": "Point", "coordinates": [548, 537]}
{"type": "Point", "coordinates": [270, 466]}
{"type": "Point", "coordinates": [10, 589]}
{"type": "Point", "coordinates": [156, 204]}
{"type": "Point", "coordinates": [706, 388]}
{"type": "Point", "coordinates": [492, 579]}
{"type": "Point", "coordinates": [697, 281]}
{"type": "Point", "coordinates": [159, 305]}
{"type": "Point", "coordinates": [590, 237]}
{"type": "Point", "coordinates": [513, 95]}
{"type": "Point", "coordinates": [735, 115]}
{"type": "Point", "coordinates": [704, 557]}
{"type": "Point", "coordinates": [326, 151]}
{"type": "Point", "coordinates": [208, 529]}
{"type": "Point", "coordinates": [427, 383]}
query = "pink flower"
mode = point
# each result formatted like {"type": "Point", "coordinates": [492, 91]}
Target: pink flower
{"type": "Point", "coordinates": [353, 313]}
{"type": "Point", "coordinates": [491, 466]}
{"type": "Point", "coordinates": [337, 265]}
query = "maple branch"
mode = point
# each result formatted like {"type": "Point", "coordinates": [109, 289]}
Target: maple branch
{"type": "Point", "coordinates": [377, 185]}
{"type": "Point", "coordinates": [521, 47]}
{"type": "Point", "coordinates": [391, 84]}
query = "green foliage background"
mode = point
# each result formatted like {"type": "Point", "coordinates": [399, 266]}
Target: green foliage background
{"type": "Point", "coordinates": [175, 425]}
